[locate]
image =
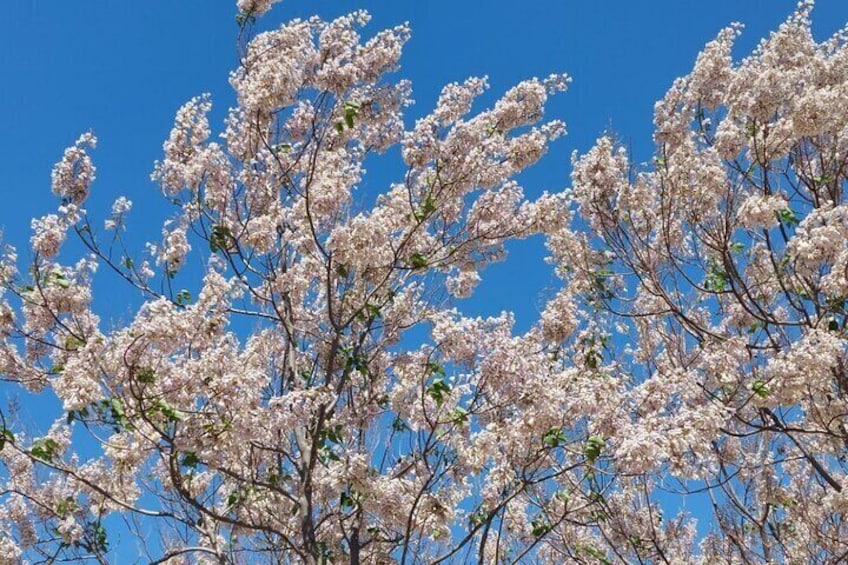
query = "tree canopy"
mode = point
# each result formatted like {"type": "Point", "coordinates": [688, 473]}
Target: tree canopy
{"type": "Point", "coordinates": [696, 342]}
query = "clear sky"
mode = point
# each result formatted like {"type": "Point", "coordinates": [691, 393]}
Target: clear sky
{"type": "Point", "coordinates": [121, 68]}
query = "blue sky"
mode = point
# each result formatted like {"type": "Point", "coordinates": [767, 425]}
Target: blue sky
{"type": "Point", "coordinates": [122, 69]}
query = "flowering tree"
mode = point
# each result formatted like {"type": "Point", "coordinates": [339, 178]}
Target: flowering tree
{"type": "Point", "coordinates": [729, 258]}
{"type": "Point", "coordinates": [698, 340]}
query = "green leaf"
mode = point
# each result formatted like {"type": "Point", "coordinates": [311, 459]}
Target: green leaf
{"type": "Point", "coordinates": [348, 501]}
{"type": "Point", "coordinates": [353, 360]}
{"type": "Point", "coordinates": [220, 238]}
{"type": "Point", "coordinates": [438, 390]}
{"type": "Point", "coordinates": [601, 287]}
{"type": "Point", "coordinates": [6, 436]}
{"type": "Point", "coordinates": [44, 449]}
{"type": "Point", "coordinates": [351, 109]}
{"type": "Point", "coordinates": [418, 261]}
{"type": "Point", "coordinates": [210, 428]}
{"type": "Point", "coordinates": [326, 454]}
{"type": "Point", "coordinates": [539, 527]}
{"type": "Point", "coordinates": [117, 408]}
{"type": "Point", "coordinates": [751, 129]}
{"type": "Point", "coordinates": [736, 247]}
{"type": "Point", "coordinates": [145, 375]}
{"type": "Point", "coordinates": [434, 368]}
{"type": "Point", "coordinates": [334, 434]}
{"type": "Point", "coordinates": [183, 297]}
{"type": "Point", "coordinates": [755, 327]}
{"type": "Point", "coordinates": [594, 446]}
{"type": "Point", "coordinates": [787, 216]}
{"type": "Point", "coordinates": [716, 279]}
{"type": "Point", "coordinates": [100, 537]}
{"type": "Point", "coordinates": [597, 554]}
{"type": "Point", "coordinates": [373, 311]}
{"type": "Point", "coordinates": [459, 416]}
{"type": "Point", "coordinates": [111, 411]}
{"type": "Point", "coordinates": [234, 498]}
{"type": "Point", "coordinates": [80, 415]}
{"type": "Point", "coordinates": [330, 436]}
{"type": "Point", "coordinates": [428, 206]}
{"type": "Point", "coordinates": [327, 556]}
{"type": "Point", "coordinates": [759, 388]}
{"type": "Point", "coordinates": [478, 518]}
{"type": "Point", "coordinates": [65, 507]}
{"type": "Point", "coordinates": [190, 459]}
{"type": "Point", "coordinates": [169, 412]}
{"type": "Point", "coordinates": [73, 343]}
{"type": "Point", "coordinates": [592, 358]}
{"type": "Point", "coordinates": [60, 279]}
{"type": "Point", "coordinates": [554, 437]}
